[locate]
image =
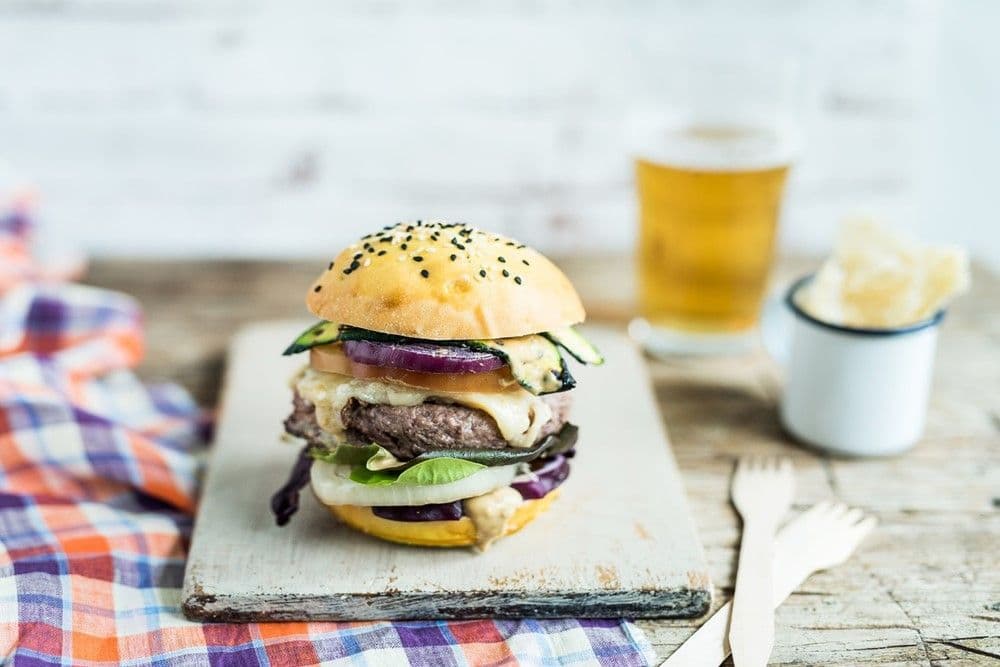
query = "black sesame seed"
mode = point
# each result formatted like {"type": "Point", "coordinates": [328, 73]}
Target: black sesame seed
{"type": "Point", "coordinates": [506, 273]}
{"type": "Point", "coordinates": [387, 239]}
{"type": "Point", "coordinates": [482, 273]}
{"type": "Point", "coordinates": [525, 262]}
{"type": "Point", "coordinates": [452, 257]}
{"type": "Point", "coordinates": [517, 279]}
{"type": "Point", "coordinates": [409, 237]}
{"type": "Point", "coordinates": [380, 253]}
{"type": "Point", "coordinates": [371, 249]}
{"type": "Point", "coordinates": [317, 288]}
{"type": "Point", "coordinates": [347, 271]}
{"type": "Point", "coordinates": [418, 258]}
{"type": "Point", "coordinates": [331, 266]}
{"type": "Point", "coordinates": [403, 246]}
{"type": "Point", "coordinates": [357, 256]}
{"type": "Point", "coordinates": [501, 259]}
{"type": "Point", "coordinates": [460, 246]}
{"type": "Point", "coordinates": [425, 273]}
{"type": "Point", "coordinates": [355, 264]}
{"type": "Point", "coordinates": [409, 228]}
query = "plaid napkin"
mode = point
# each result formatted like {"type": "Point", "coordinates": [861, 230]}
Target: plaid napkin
{"type": "Point", "coordinates": [98, 480]}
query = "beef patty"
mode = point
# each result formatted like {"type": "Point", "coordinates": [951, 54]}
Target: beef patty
{"type": "Point", "coordinates": [409, 430]}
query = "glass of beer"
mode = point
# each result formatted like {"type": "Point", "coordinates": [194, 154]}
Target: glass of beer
{"type": "Point", "coordinates": [710, 167]}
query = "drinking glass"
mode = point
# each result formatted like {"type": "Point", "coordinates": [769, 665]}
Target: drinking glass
{"type": "Point", "coordinates": [711, 161]}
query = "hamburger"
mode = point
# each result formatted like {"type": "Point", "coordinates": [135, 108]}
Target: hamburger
{"type": "Point", "coordinates": [435, 404]}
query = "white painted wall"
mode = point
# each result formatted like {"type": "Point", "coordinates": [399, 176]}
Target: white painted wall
{"type": "Point", "coordinates": [284, 128]}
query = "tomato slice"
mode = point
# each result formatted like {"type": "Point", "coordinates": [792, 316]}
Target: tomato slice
{"type": "Point", "coordinates": [331, 359]}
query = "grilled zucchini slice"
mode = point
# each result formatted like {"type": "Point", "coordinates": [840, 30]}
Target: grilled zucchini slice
{"type": "Point", "coordinates": [324, 333]}
{"type": "Point", "coordinates": [579, 347]}
{"type": "Point", "coordinates": [320, 333]}
{"type": "Point", "coordinates": [534, 362]}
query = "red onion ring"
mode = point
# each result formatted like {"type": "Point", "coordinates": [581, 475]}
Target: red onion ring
{"type": "Point", "coordinates": [422, 357]}
{"type": "Point", "coordinates": [548, 476]}
{"type": "Point", "coordinates": [549, 465]}
{"type": "Point", "coordinates": [439, 512]}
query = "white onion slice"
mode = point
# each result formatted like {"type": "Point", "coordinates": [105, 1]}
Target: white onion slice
{"type": "Point", "coordinates": [333, 486]}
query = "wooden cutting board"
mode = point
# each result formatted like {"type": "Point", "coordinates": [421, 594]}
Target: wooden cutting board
{"type": "Point", "coordinates": [619, 542]}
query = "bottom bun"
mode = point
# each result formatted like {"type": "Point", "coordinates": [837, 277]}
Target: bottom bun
{"type": "Point", "coordinates": [454, 533]}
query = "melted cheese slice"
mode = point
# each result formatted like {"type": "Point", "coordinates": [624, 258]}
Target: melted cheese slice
{"type": "Point", "coordinates": [518, 413]}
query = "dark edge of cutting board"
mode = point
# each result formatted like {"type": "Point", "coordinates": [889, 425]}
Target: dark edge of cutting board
{"type": "Point", "coordinates": [680, 603]}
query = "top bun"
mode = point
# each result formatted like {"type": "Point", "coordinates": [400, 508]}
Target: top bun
{"type": "Point", "coordinates": [444, 281]}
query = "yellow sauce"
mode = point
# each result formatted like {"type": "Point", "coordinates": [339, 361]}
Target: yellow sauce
{"type": "Point", "coordinates": [490, 514]}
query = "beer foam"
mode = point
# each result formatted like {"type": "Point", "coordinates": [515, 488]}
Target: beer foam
{"type": "Point", "coordinates": [879, 279]}
{"type": "Point", "coordinates": [721, 147]}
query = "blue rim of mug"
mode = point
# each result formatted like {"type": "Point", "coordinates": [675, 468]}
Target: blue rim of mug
{"type": "Point", "coordinates": [931, 321]}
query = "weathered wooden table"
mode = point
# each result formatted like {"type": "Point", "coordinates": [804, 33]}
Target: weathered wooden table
{"type": "Point", "coordinates": [924, 588]}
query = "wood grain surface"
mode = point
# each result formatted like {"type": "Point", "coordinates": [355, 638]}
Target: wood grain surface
{"type": "Point", "coordinates": [923, 589]}
{"type": "Point", "coordinates": [618, 541]}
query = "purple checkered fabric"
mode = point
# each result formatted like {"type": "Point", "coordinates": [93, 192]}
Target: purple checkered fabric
{"type": "Point", "coordinates": [98, 480]}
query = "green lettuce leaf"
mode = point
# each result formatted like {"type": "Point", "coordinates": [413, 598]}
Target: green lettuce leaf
{"type": "Point", "coordinates": [369, 466]}
{"type": "Point", "coordinates": [363, 475]}
{"type": "Point", "coordinates": [378, 458]}
{"type": "Point", "coordinates": [429, 473]}
{"type": "Point", "coordinates": [345, 454]}
{"type": "Point", "coordinates": [373, 456]}
{"type": "Point", "coordinates": [438, 471]}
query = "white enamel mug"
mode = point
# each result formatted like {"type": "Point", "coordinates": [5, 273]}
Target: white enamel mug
{"type": "Point", "coordinates": [851, 391]}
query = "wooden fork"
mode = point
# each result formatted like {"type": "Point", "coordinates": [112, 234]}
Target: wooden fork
{"type": "Point", "coordinates": [762, 493]}
{"type": "Point", "coordinates": [823, 536]}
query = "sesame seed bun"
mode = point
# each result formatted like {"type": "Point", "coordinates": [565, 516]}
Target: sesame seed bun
{"type": "Point", "coordinates": [444, 281]}
{"type": "Point", "coordinates": [457, 533]}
